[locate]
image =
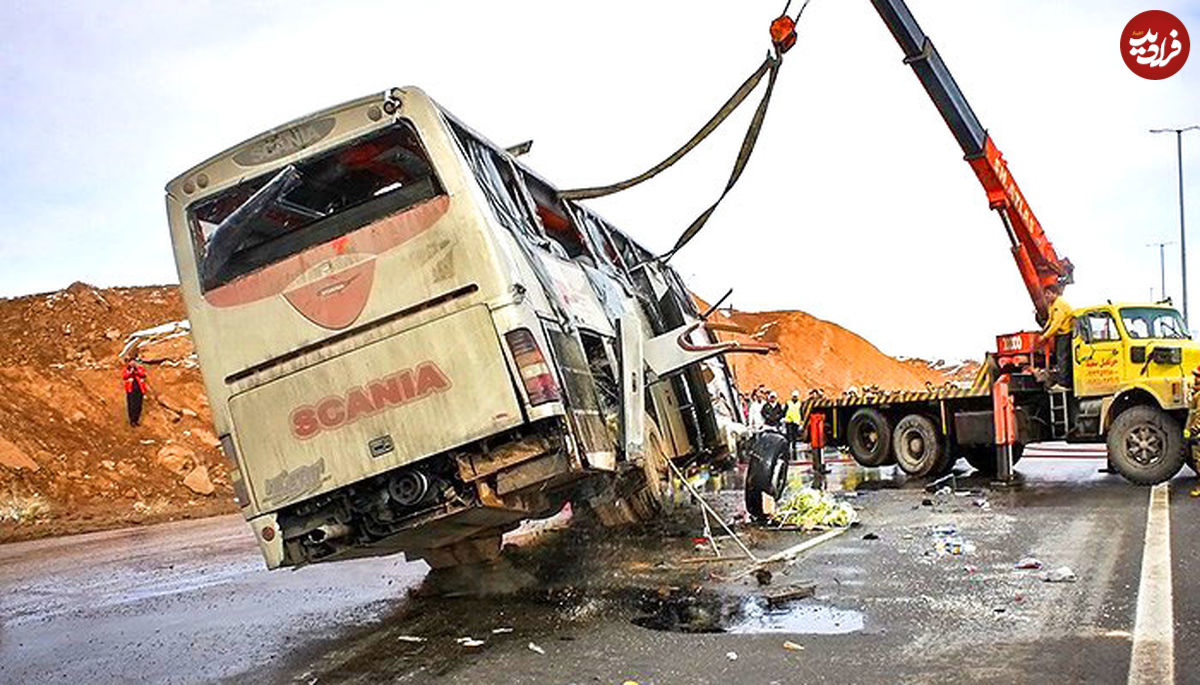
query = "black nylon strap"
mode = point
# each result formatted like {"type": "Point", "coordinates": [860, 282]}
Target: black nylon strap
{"type": "Point", "coordinates": [760, 115]}
{"type": "Point", "coordinates": [771, 64]}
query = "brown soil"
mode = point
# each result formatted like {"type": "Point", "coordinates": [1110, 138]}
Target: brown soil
{"type": "Point", "coordinates": [69, 460]}
{"type": "Point", "coordinates": [812, 354]}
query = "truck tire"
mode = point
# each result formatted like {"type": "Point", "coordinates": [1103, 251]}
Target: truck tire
{"type": "Point", "coordinates": [870, 437]}
{"type": "Point", "coordinates": [918, 446]}
{"type": "Point", "coordinates": [1145, 445]}
{"type": "Point", "coordinates": [982, 458]}
{"type": "Point", "coordinates": [766, 472]}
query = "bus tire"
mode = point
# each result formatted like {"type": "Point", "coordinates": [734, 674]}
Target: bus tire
{"type": "Point", "coordinates": [1145, 445]}
{"type": "Point", "coordinates": [766, 472]}
{"type": "Point", "coordinates": [918, 446]}
{"type": "Point", "coordinates": [982, 458]}
{"type": "Point", "coordinates": [870, 437]}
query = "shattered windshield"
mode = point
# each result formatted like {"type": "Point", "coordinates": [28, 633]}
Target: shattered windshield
{"type": "Point", "coordinates": [267, 218]}
{"type": "Point", "coordinates": [1153, 322]}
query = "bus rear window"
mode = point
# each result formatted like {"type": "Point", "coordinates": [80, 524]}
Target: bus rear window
{"type": "Point", "coordinates": [267, 218]}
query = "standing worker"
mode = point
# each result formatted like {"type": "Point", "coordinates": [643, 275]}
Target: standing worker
{"type": "Point", "coordinates": [1058, 327]}
{"type": "Point", "coordinates": [772, 411]}
{"type": "Point", "coordinates": [134, 376]}
{"type": "Point", "coordinates": [792, 420]}
{"type": "Point", "coordinates": [755, 411]}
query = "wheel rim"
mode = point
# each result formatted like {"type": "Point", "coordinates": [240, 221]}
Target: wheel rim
{"type": "Point", "coordinates": [916, 444]}
{"type": "Point", "coordinates": [868, 436]}
{"type": "Point", "coordinates": [1145, 444]}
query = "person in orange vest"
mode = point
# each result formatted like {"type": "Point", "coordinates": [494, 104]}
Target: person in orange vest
{"type": "Point", "coordinates": [134, 377]}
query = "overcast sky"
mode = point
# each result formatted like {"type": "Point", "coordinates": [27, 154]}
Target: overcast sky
{"type": "Point", "coordinates": [857, 206]}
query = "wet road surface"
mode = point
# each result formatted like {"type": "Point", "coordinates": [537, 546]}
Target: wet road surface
{"type": "Point", "coordinates": [191, 602]}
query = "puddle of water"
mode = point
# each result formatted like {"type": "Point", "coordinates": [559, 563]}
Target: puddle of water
{"type": "Point", "coordinates": [798, 617]}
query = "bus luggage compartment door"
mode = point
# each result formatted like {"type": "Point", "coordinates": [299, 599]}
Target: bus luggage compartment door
{"type": "Point", "coordinates": [418, 393]}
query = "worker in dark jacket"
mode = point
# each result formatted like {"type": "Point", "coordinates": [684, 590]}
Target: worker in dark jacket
{"type": "Point", "coordinates": [134, 377]}
{"type": "Point", "coordinates": [773, 411]}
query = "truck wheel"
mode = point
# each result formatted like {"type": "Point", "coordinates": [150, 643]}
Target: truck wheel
{"type": "Point", "coordinates": [870, 437]}
{"type": "Point", "coordinates": [767, 471]}
{"type": "Point", "coordinates": [1145, 445]}
{"type": "Point", "coordinates": [982, 458]}
{"type": "Point", "coordinates": [918, 446]}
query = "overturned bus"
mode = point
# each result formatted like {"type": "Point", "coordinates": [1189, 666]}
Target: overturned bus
{"type": "Point", "coordinates": [412, 343]}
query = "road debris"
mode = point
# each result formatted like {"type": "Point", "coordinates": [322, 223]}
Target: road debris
{"type": "Point", "coordinates": [870, 536]}
{"type": "Point", "coordinates": [534, 647]}
{"type": "Point", "coordinates": [468, 641]}
{"type": "Point", "coordinates": [1030, 563]}
{"type": "Point", "coordinates": [732, 656]}
{"type": "Point", "coordinates": [947, 541]}
{"type": "Point", "coordinates": [409, 638]}
{"type": "Point", "coordinates": [809, 509]}
{"type": "Point", "coordinates": [792, 646]}
{"type": "Point", "coordinates": [1062, 574]}
{"type": "Point", "coordinates": [502, 630]}
{"type": "Point", "coordinates": [788, 593]}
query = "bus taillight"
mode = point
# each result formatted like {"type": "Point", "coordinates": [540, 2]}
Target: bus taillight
{"type": "Point", "coordinates": [535, 372]}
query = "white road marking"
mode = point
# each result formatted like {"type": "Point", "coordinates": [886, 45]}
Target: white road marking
{"type": "Point", "coordinates": [1153, 657]}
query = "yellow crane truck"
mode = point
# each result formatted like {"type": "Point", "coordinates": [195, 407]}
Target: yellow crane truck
{"type": "Point", "coordinates": [1130, 364]}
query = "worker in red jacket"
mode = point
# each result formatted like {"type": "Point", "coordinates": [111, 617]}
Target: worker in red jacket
{"type": "Point", "coordinates": [134, 376]}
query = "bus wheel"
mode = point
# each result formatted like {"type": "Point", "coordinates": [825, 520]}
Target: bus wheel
{"type": "Point", "coordinates": [767, 471]}
{"type": "Point", "coordinates": [918, 446]}
{"type": "Point", "coordinates": [982, 458]}
{"type": "Point", "coordinates": [870, 437]}
{"type": "Point", "coordinates": [1146, 445]}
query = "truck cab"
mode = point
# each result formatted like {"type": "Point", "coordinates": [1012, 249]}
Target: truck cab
{"type": "Point", "coordinates": [1120, 348]}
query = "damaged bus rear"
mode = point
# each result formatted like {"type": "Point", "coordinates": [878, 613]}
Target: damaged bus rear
{"type": "Point", "coordinates": [410, 343]}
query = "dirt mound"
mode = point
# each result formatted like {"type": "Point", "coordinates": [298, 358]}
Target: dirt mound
{"type": "Point", "coordinates": [69, 460]}
{"type": "Point", "coordinates": [813, 354]}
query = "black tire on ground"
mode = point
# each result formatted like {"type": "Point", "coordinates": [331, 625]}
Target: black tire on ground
{"type": "Point", "coordinates": [767, 471]}
{"type": "Point", "coordinates": [983, 457]}
{"type": "Point", "coordinates": [870, 436]}
{"type": "Point", "coordinates": [1145, 445]}
{"type": "Point", "coordinates": [919, 447]}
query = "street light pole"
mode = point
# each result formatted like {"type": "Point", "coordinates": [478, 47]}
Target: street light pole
{"type": "Point", "coordinates": [1162, 267]}
{"type": "Point", "coordinates": [1182, 237]}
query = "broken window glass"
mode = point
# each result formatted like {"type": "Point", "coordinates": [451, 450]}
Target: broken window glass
{"type": "Point", "coordinates": [262, 220]}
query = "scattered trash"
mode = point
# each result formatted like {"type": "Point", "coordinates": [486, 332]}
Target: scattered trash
{"type": "Point", "coordinates": [788, 593]}
{"type": "Point", "coordinates": [1062, 574]}
{"type": "Point", "coordinates": [1029, 563]}
{"type": "Point", "coordinates": [870, 536]}
{"type": "Point", "coordinates": [1117, 633]}
{"type": "Point", "coordinates": [763, 576]}
{"type": "Point", "coordinates": [808, 509]}
{"type": "Point", "coordinates": [1195, 491]}
{"type": "Point", "coordinates": [792, 646]}
{"type": "Point", "coordinates": [501, 630]}
{"type": "Point", "coordinates": [947, 541]}
{"type": "Point", "coordinates": [1000, 610]}
{"type": "Point", "coordinates": [469, 641]}
{"type": "Point", "coordinates": [732, 656]}
{"type": "Point", "coordinates": [533, 647]}
{"type": "Point", "coordinates": [927, 502]}
{"type": "Point", "coordinates": [983, 504]}
{"type": "Point", "coordinates": [410, 638]}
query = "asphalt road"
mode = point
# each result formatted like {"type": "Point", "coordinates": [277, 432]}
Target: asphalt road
{"type": "Point", "coordinates": [190, 602]}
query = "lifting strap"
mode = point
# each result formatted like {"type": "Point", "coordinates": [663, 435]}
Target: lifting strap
{"type": "Point", "coordinates": [770, 69]}
{"type": "Point", "coordinates": [783, 37]}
